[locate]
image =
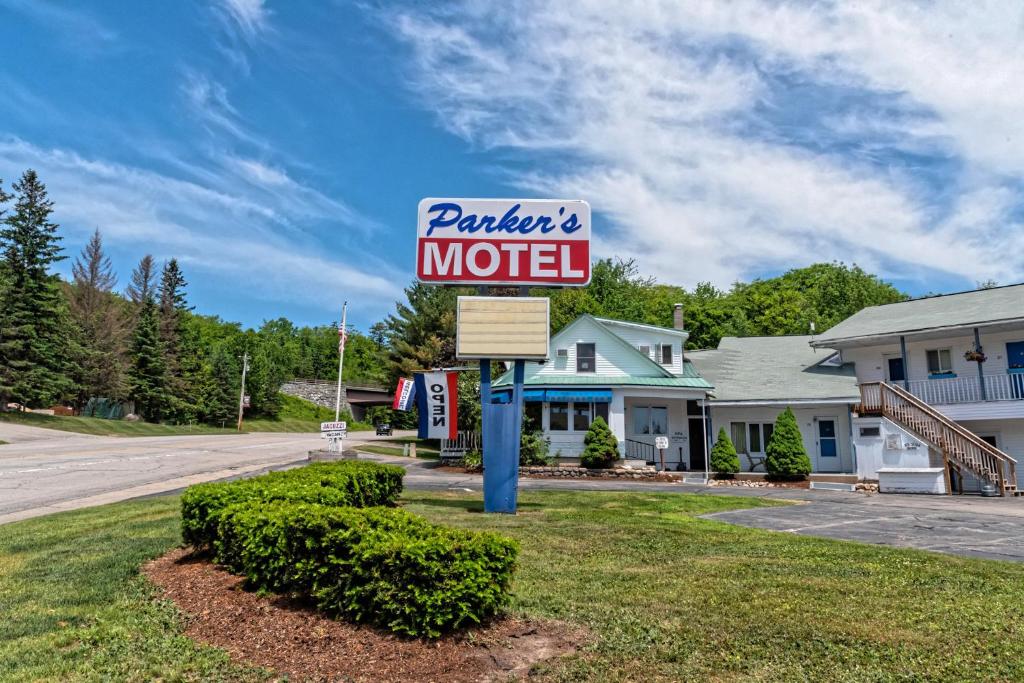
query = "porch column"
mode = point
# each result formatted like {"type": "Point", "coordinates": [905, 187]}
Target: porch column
{"type": "Point", "coordinates": [617, 420]}
{"type": "Point", "coordinates": [981, 372]}
{"type": "Point", "coordinates": [906, 363]}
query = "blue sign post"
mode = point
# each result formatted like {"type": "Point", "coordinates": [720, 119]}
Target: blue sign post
{"type": "Point", "coordinates": [501, 424]}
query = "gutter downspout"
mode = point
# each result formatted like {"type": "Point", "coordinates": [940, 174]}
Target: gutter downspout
{"type": "Point", "coordinates": [853, 446]}
{"type": "Point", "coordinates": [981, 373]}
{"type": "Point", "coordinates": [906, 365]}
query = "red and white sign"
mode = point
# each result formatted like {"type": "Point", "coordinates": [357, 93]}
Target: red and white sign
{"type": "Point", "coordinates": [404, 393]}
{"type": "Point", "coordinates": [503, 242]}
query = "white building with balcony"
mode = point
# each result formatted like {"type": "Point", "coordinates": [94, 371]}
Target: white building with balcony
{"type": "Point", "coordinates": [942, 387]}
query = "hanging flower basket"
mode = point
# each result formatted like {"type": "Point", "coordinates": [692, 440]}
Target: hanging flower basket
{"type": "Point", "coordinates": [975, 356]}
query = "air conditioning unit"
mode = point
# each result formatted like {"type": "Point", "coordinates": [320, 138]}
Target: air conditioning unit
{"type": "Point", "coordinates": [562, 353]}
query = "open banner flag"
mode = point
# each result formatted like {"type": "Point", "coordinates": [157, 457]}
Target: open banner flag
{"type": "Point", "coordinates": [404, 394]}
{"type": "Point", "coordinates": [437, 397]}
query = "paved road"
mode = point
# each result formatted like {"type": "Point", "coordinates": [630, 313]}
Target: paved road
{"type": "Point", "coordinates": [960, 525]}
{"type": "Point", "coordinates": [44, 471]}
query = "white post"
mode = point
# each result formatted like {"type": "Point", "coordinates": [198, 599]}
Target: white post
{"type": "Point", "coordinates": [341, 360]}
{"type": "Point", "coordinates": [241, 391]}
{"type": "Point", "coordinates": [704, 436]}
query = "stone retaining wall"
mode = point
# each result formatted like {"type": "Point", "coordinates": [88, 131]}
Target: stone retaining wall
{"type": "Point", "coordinates": [322, 393]}
{"type": "Point", "coordinates": [573, 472]}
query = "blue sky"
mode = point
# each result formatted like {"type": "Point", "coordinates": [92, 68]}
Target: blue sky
{"type": "Point", "coordinates": [279, 149]}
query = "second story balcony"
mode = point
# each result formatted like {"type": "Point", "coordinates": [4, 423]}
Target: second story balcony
{"type": "Point", "coordinates": [952, 390]}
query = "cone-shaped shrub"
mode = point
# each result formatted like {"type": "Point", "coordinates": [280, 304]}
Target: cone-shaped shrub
{"type": "Point", "coordinates": [601, 447]}
{"type": "Point", "coordinates": [786, 455]}
{"type": "Point", "coordinates": [723, 455]}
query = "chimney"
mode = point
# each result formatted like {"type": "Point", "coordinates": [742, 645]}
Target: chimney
{"type": "Point", "coordinates": [677, 316]}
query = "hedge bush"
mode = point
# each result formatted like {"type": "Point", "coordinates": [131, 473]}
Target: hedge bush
{"type": "Point", "coordinates": [322, 532]}
{"type": "Point", "coordinates": [348, 483]}
{"type": "Point", "coordinates": [724, 459]}
{"type": "Point", "coordinates": [785, 455]}
{"type": "Point", "coordinates": [601, 448]}
{"type": "Point", "coordinates": [382, 566]}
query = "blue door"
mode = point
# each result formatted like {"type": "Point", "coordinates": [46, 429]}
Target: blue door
{"type": "Point", "coordinates": [897, 373]}
{"type": "Point", "coordinates": [828, 445]}
{"type": "Point", "coordinates": [1015, 363]}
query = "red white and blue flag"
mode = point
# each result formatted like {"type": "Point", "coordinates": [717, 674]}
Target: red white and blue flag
{"type": "Point", "coordinates": [405, 393]}
{"type": "Point", "coordinates": [437, 397]}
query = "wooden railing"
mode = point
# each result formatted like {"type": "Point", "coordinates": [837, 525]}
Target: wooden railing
{"type": "Point", "coordinates": [961, 447]}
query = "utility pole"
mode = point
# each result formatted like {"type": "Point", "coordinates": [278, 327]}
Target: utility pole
{"type": "Point", "coordinates": [341, 360]}
{"type": "Point", "coordinates": [241, 392]}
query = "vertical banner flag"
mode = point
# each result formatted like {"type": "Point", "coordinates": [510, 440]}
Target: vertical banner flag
{"type": "Point", "coordinates": [437, 396]}
{"type": "Point", "coordinates": [404, 394]}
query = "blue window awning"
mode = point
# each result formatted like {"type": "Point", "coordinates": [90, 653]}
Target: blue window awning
{"type": "Point", "coordinates": [533, 395]}
{"type": "Point", "coordinates": [579, 395]}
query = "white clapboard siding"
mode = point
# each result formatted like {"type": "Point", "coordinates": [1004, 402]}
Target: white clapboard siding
{"type": "Point", "coordinates": [613, 355]}
{"type": "Point", "coordinates": [637, 337]}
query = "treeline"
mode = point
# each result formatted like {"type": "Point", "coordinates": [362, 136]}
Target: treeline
{"type": "Point", "coordinates": [84, 343]}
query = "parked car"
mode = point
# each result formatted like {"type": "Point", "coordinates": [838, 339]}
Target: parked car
{"type": "Point", "coordinates": [384, 429]}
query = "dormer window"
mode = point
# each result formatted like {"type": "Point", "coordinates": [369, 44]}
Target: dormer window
{"type": "Point", "coordinates": [666, 354]}
{"type": "Point", "coordinates": [586, 358]}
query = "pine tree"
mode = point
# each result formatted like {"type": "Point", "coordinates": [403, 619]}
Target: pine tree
{"type": "Point", "coordinates": [785, 455]}
{"type": "Point", "coordinates": [141, 287]}
{"type": "Point", "coordinates": [601, 448]}
{"type": "Point", "coordinates": [98, 315]}
{"type": "Point", "coordinates": [724, 459]}
{"type": "Point", "coordinates": [173, 307]}
{"type": "Point", "coordinates": [219, 398]}
{"type": "Point", "coordinates": [35, 343]}
{"type": "Point", "coordinates": [148, 373]}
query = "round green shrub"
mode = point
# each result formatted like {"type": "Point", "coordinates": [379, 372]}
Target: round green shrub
{"type": "Point", "coordinates": [786, 457]}
{"type": "Point", "coordinates": [723, 455]}
{"type": "Point", "coordinates": [601, 448]}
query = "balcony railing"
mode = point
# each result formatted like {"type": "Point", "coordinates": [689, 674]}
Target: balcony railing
{"type": "Point", "coordinates": [1004, 387]}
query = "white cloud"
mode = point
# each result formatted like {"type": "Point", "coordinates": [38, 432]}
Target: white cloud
{"type": "Point", "coordinates": [669, 118]}
{"type": "Point", "coordinates": [240, 240]}
{"type": "Point", "coordinates": [249, 17]}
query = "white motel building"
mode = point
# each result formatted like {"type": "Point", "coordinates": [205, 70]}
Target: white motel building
{"type": "Point", "coordinates": [925, 395]}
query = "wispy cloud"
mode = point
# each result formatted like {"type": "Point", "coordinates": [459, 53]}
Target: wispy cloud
{"type": "Point", "coordinates": [77, 28]}
{"type": "Point", "coordinates": [725, 139]}
{"type": "Point", "coordinates": [234, 237]}
{"type": "Point", "coordinates": [249, 18]}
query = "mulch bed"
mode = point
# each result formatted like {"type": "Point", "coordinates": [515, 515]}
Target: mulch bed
{"type": "Point", "coordinates": [290, 638]}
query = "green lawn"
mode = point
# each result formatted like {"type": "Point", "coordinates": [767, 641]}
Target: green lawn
{"type": "Point", "coordinates": [100, 427]}
{"type": "Point", "coordinates": [665, 595]}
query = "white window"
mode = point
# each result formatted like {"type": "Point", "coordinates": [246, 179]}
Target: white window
{"type": "Point", "coordinates": [574, 417]}
{"type": "Point", "coordinates": [645, 349]}
{"type": "Point", "coordinates": [751, 437]}
{"type": "Point", "coordinates": [650, 420]}
{"type": "Point", "coordinates": [666, 354]}
{"type": "Point", "coordinates": [940, 361]}
{"type": "Point", "coordinates": [558, 418]}
{"type": "Point", "coordinates": [586, 358]}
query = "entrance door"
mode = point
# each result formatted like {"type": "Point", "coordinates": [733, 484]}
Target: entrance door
{"type": "Point", "coordinates": [1015, 363]}
{"type": "Point", "coordinates": [894, 370]}
{"type": "Point", "coordinates": [697, 443]}
{"type": "Point", "coordinates": [828, 445]}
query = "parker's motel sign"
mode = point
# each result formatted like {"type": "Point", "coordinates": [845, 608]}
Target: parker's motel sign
{"type": "Point", "coordinates": [503, 242]}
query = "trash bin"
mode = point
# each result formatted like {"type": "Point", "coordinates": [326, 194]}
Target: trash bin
{"type": "Point", "coordinates": [988, 490]}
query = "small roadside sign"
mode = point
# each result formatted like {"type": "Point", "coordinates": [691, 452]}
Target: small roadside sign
{"type": "Point", "coordinates": [246, 401]}
{"type": "Point", "coordinates": [333, 426]}
{"type": "Point", "coordinates": [661, 442]}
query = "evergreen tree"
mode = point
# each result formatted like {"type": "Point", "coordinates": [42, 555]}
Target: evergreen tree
{"type": "Point", "coordinates": [785, 455]}
{"type": "Point", "coordinates": [422, 332]}
{"type": "Point", "coordinates": [724, 459]}
{"type": "Point", "coordinates": [35, 344]}
{"type": "Point", "coordinates": [219, 393]}
{"type": "Point", "coordinates": [173, 307]}
{"type": "Point", "coordinates": [148, 373]}
{"type": "Point", "coordinates": [101, 321]}
{"type": "Point", "coordinates": [141, 287]}
{"type": "Point", "coordinates": [601, 448]}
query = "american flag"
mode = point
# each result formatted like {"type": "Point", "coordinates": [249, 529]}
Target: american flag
{"type": "Point", "coordinates": [342, 336]}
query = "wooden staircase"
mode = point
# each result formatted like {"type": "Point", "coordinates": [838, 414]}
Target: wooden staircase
{"type": "Point", "coordinates": [962, 450]}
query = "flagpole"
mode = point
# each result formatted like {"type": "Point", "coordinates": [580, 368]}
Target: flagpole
{"type": "Point", "coordinates": [341, 360]}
